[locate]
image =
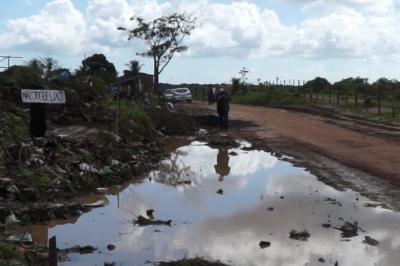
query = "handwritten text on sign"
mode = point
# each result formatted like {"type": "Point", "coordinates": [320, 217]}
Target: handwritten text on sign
{"type": "Point", "coordinates": [43, 96]}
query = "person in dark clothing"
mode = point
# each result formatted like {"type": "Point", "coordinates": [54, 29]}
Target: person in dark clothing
{"type": "Point", "coordinates": [222, 98]}
{"type": "Point", "coordinates": [210, 95]}
{"type": "Point", "coordinates": [222, 167]}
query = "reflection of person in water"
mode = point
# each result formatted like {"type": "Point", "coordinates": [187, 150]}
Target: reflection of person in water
{"type": "Point", "coordinates": [222, 167]}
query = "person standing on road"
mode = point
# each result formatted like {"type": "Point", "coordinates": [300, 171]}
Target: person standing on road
{"type": "Point", "coordinates": [211, 95]}
{"type": "Point", "coordinates": [222, 98]}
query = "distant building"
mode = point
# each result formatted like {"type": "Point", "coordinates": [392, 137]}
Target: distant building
{"type": "Point", "coordinates": [130, 86]}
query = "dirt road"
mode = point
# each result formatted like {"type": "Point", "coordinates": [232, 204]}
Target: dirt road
{"type": "Point", "coordinates": [371, 152]}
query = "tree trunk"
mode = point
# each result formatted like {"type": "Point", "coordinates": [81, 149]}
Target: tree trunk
{"type": "Point", "coordinates": [310, 95]}
{"type": "Point", "coordinates": [330, 96]}
{"type": "Point", "coordinates": [155, 74]}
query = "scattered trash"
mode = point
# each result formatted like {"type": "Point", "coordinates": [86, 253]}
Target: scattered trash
{"type": "Point", "coordinates": [326, 225]}
{"type": "Point", "coordinates": [87, 168]}
{"type": "Point", "coordinates": [110, 247]}
{"type": "Point", "coordinates": [220, 191]}
{"type": "Point", "coordinates": [115, 162]}
{"type": "Point", "coordinates": [101, 190]}
{"type": "Point", "coordinates": [333, 202]}
{"type": "Point", "coordinates": [202, 131]}
{"type": "Point", "coordinates": [12, 219]}
{"type": "Point", "coordinates": [301, 236]}
{"type": "Point", "coordinates": [264, 244]}
{"type": "Point", "coordinates": [321, 260]}
{"type": "Point", "coordinates": [184, 182]}
{"type": "Point", "coordinates": [348, 229]}
{"type": "Point", "coordinates": [143, 221]}
{"type": "Point", "coordinates": [97, 204]}
{"type": "Point", "coordinates": [80, 249]}
{"type": "Point", "coordinates": [171, 107]}
{"type": "Point", "coordinates": [20, 238]}
{"type": "Point", "coordinates": [149, 214]}
{"type": "Point", "coordinates": [271, 209]}
{"type": "Point", "coordinates": [106, 170]}
{"type": "Point", "coordinates": [370, 241]}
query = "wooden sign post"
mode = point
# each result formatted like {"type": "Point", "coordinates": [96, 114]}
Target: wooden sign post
{"type": "Point", "coordinates": [53, 251]}
{"type": "Point", "coordinates": [37, 100]}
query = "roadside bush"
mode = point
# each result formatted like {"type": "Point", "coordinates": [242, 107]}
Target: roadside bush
{"type": "Point", "coordinates": [135, 124]}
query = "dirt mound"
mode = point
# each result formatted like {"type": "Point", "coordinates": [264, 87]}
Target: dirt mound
{"type": "Point", "coordinates": [171, 122]}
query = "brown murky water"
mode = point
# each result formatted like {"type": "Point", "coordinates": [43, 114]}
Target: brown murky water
{"type": "Point", "coordinates": [260, 198]}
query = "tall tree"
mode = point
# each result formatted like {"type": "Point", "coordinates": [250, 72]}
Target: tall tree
{"type": "Point", "coordinates": [36, 66]}
{"type": "Point", "coordinates": [316, 85]}
{"type": "Point", "coordinates": [339, 87]}
{"type": "Point", "coordinates": [163, 38]}
{"type": "Point", "coordinates": [235, 85]}
{"type": "Point", "coordinates": [49, 65]}
{"type": "Point", "coordinates": [394, 88]}
{"type": "Point", "coordinates": [380, 86]}
{"type": "Point", "coordinates": [98, 65]}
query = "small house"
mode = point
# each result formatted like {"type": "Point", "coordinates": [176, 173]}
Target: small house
{"type": "Point", "coordinates": [131, 86]}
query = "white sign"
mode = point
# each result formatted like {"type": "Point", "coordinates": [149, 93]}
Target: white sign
{"type": "Point", "coordinates": [43, 96]}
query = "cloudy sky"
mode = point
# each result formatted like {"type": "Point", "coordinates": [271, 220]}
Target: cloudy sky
{"type": "Point", "coordinates": [290, 39]}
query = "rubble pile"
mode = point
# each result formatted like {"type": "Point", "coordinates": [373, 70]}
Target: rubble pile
{"type": "Point", "coordinates": [58, 168]}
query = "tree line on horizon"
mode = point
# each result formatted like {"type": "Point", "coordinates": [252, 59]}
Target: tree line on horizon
{"type": "Point", "coordinates": [355, 92]}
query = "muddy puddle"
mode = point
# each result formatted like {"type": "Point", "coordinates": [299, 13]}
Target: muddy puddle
{"type": "Point", "coordinates": [233, 205]}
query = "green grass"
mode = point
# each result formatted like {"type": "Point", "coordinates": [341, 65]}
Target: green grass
{"type": "Point", "coordinates": [15, 123]}
{"type": "Point", "coordinates": [6, 252]}
{"type": "Point", "coordinates": [142, 122]}
{"type": "Point", "coordinates": [134, 122]}
{"type": "Point", "coordinates": [285, 98]}
{"type": "Point", "coordinates": [268, 97]}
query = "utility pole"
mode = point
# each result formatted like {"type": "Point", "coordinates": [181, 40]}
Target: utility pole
{"type": "Point", "coordinates": [7, 57]}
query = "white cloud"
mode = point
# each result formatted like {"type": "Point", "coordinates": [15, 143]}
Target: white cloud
{"type": "Point", "coordinates": [347, 28]}
{"type": "Point", "coordinates": [373, 6]}
{"type": "Point", "coordinates": [347, 34]}
{"type": "Point", "coordinates": [58, 28]}
{"type": "Point", "coordinates": [237, 29]}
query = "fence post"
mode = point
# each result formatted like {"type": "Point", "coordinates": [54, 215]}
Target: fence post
{"type": "Point", "coordinates": [53, 251]}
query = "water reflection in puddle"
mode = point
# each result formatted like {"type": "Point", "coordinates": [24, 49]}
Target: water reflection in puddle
{"type": "Point", "coordinates": [262, 198]}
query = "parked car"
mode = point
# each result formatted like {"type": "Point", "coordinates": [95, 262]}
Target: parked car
{"type": "Point", "coordinates": [169, 95]}
{"type": "Point", "coordinates": [182, 95]}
